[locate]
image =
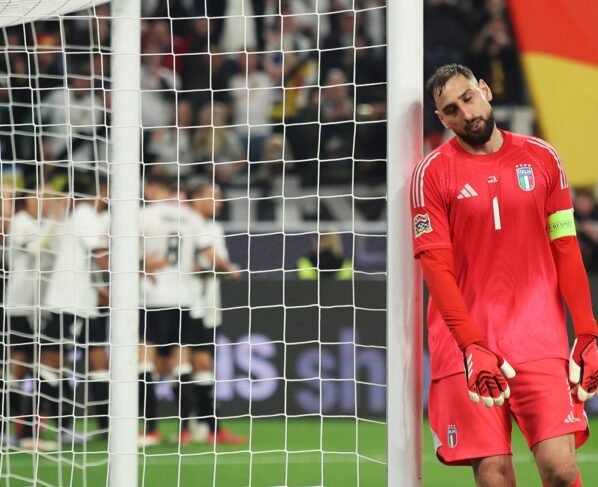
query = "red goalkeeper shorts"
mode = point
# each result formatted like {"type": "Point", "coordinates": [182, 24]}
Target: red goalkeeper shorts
{"type": "Point", "coordinates": [541, 403]}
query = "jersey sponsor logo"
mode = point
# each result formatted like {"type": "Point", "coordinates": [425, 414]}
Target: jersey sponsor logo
{"type": "Point", "coordinates": [422, 224]}
{"type": "Point", "coordinates": [525, 176]}
{"type": "Point", "coordinates": [492, 179]}
{"type": "Point", "coordinates": [467, 192]}
{"type": "Point", "coordinates": [452, 438]}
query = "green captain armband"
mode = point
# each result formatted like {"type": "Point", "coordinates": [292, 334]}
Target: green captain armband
{"type": "Point", "coordinates": [561, 224]}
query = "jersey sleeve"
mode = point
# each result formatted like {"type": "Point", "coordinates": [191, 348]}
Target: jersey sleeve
{"type": "Point", "coordinates": [429, 210]}
{"type": "Point", "coordinates": [559, 195]}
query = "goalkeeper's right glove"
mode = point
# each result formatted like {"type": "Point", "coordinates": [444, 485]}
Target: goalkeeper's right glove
{"type": "Point", "coordinates": [486, 374]}
{"type": "Point", "coordinates": [583, 366]}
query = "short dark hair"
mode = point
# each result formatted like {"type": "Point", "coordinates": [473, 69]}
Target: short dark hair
{"type": "Point", "coordinates": [163, 180]}
{"type": "Point", "coordinates": [442, 75]}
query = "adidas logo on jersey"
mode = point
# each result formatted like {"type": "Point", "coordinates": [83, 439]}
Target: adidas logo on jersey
{"type": "Point", "coordinates": [571, 419]}
{"type": "Point", "coordinates": [466, 192]}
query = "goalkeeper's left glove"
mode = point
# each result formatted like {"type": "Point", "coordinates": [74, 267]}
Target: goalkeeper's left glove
{"type": "Point", "coordinates": [487, 374]}
{"type": "Point", "coordinates": [583, 366]}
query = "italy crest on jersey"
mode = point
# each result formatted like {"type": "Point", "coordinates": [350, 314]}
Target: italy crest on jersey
{"type": "Point", "coordinates": [525, 176]}
{"type": "Point", "coordinates": [452, 436]}
{"type": "Point", "coordinates": [422, 224]}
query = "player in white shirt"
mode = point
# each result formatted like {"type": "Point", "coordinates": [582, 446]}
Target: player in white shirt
{"type": "Point", "coordinates": [72, 298]}
{"type": "Point", "coordinates": [206, 201]}
{"type": "Point", "coordinates": [28, 258]}
{"type": "Point", "coordinates": [172, 244]}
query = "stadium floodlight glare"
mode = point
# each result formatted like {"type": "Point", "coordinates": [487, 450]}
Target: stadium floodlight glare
{"type": "Point", "coordinates": [288, 123]}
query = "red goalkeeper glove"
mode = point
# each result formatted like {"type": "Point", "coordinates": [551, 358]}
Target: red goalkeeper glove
{"type": "Point", "coordinates": [583, 366]}
{"type": "Point", "coordinates": [486, 374]}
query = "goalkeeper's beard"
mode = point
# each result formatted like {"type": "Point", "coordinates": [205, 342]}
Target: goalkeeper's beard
{"type": "Point", "coordinates": [481, 136]}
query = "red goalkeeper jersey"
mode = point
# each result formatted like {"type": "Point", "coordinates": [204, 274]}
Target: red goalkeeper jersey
{"type": "Point", "coordinates": [492, 211]}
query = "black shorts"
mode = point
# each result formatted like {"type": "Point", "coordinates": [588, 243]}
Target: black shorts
{"type": "Point", "coordinates": [167, 328]}
{"type": "Point", "coordinates": [19, 333]}
{"type": "Point", "coordinates": [70, 330]}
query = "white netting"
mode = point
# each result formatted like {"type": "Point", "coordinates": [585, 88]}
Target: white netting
{"type": "Point", "coordinates": [21, 11]}
{"type": "Point", "coordinates": [263, 211]}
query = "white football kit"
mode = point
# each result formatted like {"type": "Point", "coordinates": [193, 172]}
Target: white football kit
{"type": "Point", "coordinates": [207, 302]}
{"type": "Point", "coordinates": [29, 258]}
{"type": "Point", "coordinates": [72, 287]}
{"type": "Point", "coordinates": [173, 232]}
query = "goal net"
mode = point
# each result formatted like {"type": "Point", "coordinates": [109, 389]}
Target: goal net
{"type": "Point", "coordinates": [262, 240]}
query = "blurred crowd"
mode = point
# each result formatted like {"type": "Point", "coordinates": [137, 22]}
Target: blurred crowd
{"type": "Point", "coordinates": [477, 33]}
{"type": "Point", "coordinates": [241, 100]}
{"type": "Point", "coordinates": [244, 92]}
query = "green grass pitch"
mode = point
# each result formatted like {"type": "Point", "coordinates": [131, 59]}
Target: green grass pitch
{"type": "Point", "coordinates": [296, 452]}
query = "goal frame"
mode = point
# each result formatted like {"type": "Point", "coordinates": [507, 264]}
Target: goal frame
{"type": "Point", "coordinates": [124, 187]}
{"type": "Point", "coordinates": [404, 333]}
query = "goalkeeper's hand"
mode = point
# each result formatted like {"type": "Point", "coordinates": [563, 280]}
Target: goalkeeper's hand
{"type": "Point", "coordinates": [583, 366]}
{"type": "Point", "coordinates": [487, 375]}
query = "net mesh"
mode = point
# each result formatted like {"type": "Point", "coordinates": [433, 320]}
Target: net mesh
{"type": "Point", "coordinates": [262, 225]}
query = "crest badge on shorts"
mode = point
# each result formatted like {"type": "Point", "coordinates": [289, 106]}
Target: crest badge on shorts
{"type": "Point", "coordinates": [525, 176]}
{"type": "Point", "coordinates": [452, 436]}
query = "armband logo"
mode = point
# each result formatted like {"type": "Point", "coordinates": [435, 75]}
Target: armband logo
{"type": "Point", "coordinates": [421, 224]}
{"type": "Point", "coordinates": [561, 224]}
{"type": "Point", "coordinates": [525, 176]}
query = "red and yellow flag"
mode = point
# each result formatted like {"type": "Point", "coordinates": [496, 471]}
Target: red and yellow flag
{"type": "Point", "coordinates": [558, 42]}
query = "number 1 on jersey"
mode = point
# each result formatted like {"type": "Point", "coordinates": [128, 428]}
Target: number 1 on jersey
{"type": "Point", "coordinates": [496, 212]}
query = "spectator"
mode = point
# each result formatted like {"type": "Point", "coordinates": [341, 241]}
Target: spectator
{"type": "Point", "coordinates": [325, 260]}
{"type": "Point", "coordinates": [252, 103]}
{"type": "Point", "coordinates": [158, 85]}
{"type": "Point", "coordinates": [73, 120]}
{"type": "Point", "coordinates": [50, 65]}
{"type": "Point", "coordinates": [195, 74]}
{"type": "Point", "coordinates": [337, 50]}
{"type": "Point", "coordinates": [495, 56]}
{"type": "Point", "coordinates": [586, 221]}
{"type": "Point", "coordinates": [217, 144]}
{"type": "Point", "coordinates": [337, 131]}
{"type": "Point", "coordinates": [291, 70]}
{"type": "Point", "coordinates": [448, 28]}
{"type": "Point", "coordinates": [171, 146]}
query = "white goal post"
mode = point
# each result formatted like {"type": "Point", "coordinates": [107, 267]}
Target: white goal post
{"type": "Point", "coordinates": [125, 191]}
{"type": "Point", "coordinates": [405, 288]}
{"type": "Point", "coordinates": [124, 161]}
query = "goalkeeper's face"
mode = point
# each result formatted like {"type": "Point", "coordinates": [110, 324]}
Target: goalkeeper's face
{"type": "Point", "coordinates": [464, 107]}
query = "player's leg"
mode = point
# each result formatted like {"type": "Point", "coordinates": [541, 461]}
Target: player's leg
{"type": "Point", "coordinates": [56, 392]}
{"type": "Point", "coordinates": [149, 334]}
{"type": "Point", "coordinates": [202, 364]}
{"type": "Point", "coordinates": [91, 340]}
{"type": "Point", "coordinates": [202, 361]}
{"type": "Point", "coordinates": [470, 434]}
{"type": "Point", "coordinates": [180, 365]}
{"type": "Point", "coordinates": [555, 458]}
{"type": "Point", "coordinates": [496, 471]}
{"type": "Point", "coordinates": [552, 433]}
{"type": "Point", "coordinates": [76, 341]}
{"type": "Point", "coordinates": [99, 372]}
{"type": "Point", "coordinates": [188, 333]}
{"type": "Point", "coordinates": [21, 402]}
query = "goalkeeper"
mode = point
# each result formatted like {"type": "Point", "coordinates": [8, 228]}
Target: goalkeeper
{"type": "Point", "coordinates": [493, 228]}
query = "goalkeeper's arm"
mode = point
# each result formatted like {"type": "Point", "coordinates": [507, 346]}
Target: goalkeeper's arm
{"type": "Point", "coordinates": [484, 369]}
{"type": "Point", "coordinates": [573, 282]}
